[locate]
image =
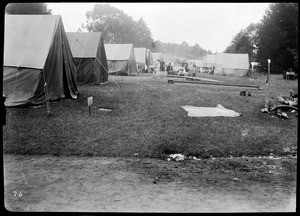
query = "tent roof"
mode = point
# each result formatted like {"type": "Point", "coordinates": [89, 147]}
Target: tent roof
{"type": "Point", "coordinates": [118, 51]}
{"type": "Point", "coordinates": [140, 54]}
{"type": "Point", "coordinates": [84, 44]}
{"type": "Point", "coordinates": [28, 38]}
{"type": "Point", "coordinates": [156, 56]}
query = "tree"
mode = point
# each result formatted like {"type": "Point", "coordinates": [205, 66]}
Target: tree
{"type": "Point", "coordinates": [143, 34]}
{"type": "Point", "coordinates": [278, 37]}
{"type": "Point", "coordinates": [245, 42]}
{"type": "Point", "coordinates": [27, 8]}
{"type": "Point", "coordinates": [117, 27]}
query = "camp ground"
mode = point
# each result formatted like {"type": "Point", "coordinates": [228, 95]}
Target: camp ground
{"type": "Point", "coordinates": [121, 59]}
{"type": "Point", "coordinates": [175, 139]}
{"type": "Point", "coordinates": [143, 58]}
{"type": "Point", "coordinates": [89, 57]}
{"type": "Point", "coordinates": [38, 62]}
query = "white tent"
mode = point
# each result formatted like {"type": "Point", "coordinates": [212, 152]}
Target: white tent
{"type": "Point", "coordinates": [231, 64]}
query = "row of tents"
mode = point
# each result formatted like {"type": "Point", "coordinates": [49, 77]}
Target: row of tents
{"type": "Point", "coordinates": [40, 57]}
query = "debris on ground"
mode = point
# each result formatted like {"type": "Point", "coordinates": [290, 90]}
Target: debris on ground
{"type": "Point", "coordinates": [104, 109]}
{"type": "Point", "coordinates": [245, 93]}
{"type": "Point", "coordinates": [236, 179]}
{"type": "Point", "coordinates": [176, 157]}
{"type": "Point", "coordinates": [281, 105]}
{"type": "Point", "coordinates": [253, 79]}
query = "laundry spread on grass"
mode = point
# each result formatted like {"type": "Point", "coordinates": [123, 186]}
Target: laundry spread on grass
{"type": "Point", "coordinates": [219, 110]}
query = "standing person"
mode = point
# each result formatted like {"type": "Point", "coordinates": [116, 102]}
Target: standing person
{"type": "Point", "coordinates": [186, 67]}
{"type": "Point", "coordinates": [157, 68]}
{"type": "Point", "coordinates": [194, 70]}
{"type": "Point", "coordinates": [169, 68]}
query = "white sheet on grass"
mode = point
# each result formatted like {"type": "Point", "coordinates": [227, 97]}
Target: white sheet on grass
{"type": "Point", "coordinates": [219, 110]}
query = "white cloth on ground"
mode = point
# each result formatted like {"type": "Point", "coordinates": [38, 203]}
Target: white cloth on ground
{"type": "Point", "coordinates": [219, 110]}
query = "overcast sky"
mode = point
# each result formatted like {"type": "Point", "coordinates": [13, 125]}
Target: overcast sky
{"type": "Point", "coordinates": [211, 25]}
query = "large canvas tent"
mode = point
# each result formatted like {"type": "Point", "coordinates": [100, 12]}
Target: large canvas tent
{"type": "Point", "coordinates": [89, 57]}
{"type": "Point", "coordinates": [121, 59]}
{"type": "Point", "coordinates": [209, 60]}
{"type": "Point", "coordinates": [231, 64]}
{"type": "Point", "coordinates": [143, 58]}
{"type": "Point", "coordinates": [36, 51]}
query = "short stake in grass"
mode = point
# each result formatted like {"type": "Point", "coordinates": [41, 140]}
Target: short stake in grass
{"type": "Point", "coordinates": [90, 102]}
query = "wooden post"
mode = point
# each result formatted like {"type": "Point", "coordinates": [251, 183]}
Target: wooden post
{"type": "Point", "coordinates": [90, 102]}
{"type": "Point", "coordinates": [268, 78]}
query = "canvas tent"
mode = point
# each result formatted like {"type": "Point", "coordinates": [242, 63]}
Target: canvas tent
{"type": "Point", "coordinates": [89, 57]}
{"type": "Point", "coordinates": [36, 51]}
{"type": "Point", "coordinates": [149, 59]}
{"type": "Point", "coordinates": [209, 60]}
{"type": "Point", "coordinates": [141, 58]}
{"type": "Point", "coordinates": [121, 59]}
{"type": "Point", "coordinates": [230, 64]}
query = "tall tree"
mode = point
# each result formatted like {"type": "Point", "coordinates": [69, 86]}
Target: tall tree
{"type": "Point", "coordinates": [278, 37]}
{"type": "Point", "coordinates": [117, 27]}
{"type": "Point", "coordinates": [27, 8]}
{"type": "Point", "coordinates": [144, 34]}
{"type": "Point", "coordinates": [245, 42]}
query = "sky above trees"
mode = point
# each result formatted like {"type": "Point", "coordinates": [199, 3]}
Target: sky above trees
{"type": "Point", "coordinates": [211, 25]}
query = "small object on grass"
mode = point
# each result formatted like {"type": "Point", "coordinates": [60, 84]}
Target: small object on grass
{"type": "Point", "coordinates": [245, 93]}
{"type": "Point", "coordinates": [264, 110]}
{"type": "Point", "coordinates": [177, 157]}
{"type": "Point", "coordinates": [136, 154]}
{"type": "Point", "coordinates": [155, 180]}
{"type": "Point", "coordinates": [236, 179]}
{"type": "Point", "coordinates": [103, 109]}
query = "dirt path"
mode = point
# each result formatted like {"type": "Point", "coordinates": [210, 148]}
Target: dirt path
{"type": "Point", "coordinates": [101, 184]}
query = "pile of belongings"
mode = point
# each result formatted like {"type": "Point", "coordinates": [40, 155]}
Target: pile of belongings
{"type": "Point", "coordinates": [285, 104]}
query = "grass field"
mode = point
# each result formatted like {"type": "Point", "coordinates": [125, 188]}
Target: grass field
{"type": "Point", "coordinates": [147, 119]}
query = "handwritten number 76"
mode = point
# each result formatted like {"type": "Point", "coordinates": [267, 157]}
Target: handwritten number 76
{"type": "Point", "coordinates": [16, 193]}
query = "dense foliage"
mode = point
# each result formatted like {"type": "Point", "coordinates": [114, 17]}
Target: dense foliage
{"type": "Point", "coordinates": [278, 37]}
{"type": "Point", "coordinates": [27, 8]}
{"type": "Point", "coordinates": [275, 38]}
{"type": "Point", "coordinates": [117, 27]}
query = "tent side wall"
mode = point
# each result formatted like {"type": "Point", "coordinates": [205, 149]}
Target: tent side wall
{"type": "Point", "coordinates": [60, 69]}
{"type": "Point", "coordinates": [20, 84]}
{"type": "Point", "coordinates": [85, 70]}
{"type": "Point", "coordinates": [132, 66]}
{"type": "Point", "coordinates": [101, 62]}
{"type": "Point", "coordinates": [118, 67]}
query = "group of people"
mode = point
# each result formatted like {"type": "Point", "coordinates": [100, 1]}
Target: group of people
{"type": "Point", "coordinates": [182, 71]}
{"type": "Point", "coordinates": [185, 71]}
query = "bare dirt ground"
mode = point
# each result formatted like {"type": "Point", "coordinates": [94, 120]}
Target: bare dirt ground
{"type": "Point", "coordinates": [102, 184]}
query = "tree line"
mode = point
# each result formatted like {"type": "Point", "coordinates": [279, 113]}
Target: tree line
{"type": "Point", "coordinates": [275, 37]}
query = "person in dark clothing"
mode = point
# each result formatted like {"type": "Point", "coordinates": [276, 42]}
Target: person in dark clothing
{"type": "Point", "coordinates": [169, 68]}
{"type": "Point", "coordinates": [3, 111]}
